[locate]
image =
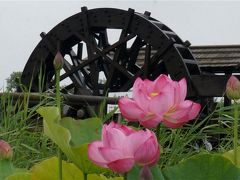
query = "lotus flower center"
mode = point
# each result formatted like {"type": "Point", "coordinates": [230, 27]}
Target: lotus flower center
{"type": "Point", "coordinates": [170, 111]}
{"type": "Point", "coordinates": [153, 94]}
{"type": "Point", "coordinates": [167, 115]}
{"type": "Point", "coordinates": [149, 115]}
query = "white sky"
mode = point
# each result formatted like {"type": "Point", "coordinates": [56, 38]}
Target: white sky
{"type": "Point", "coordinates": [200, 22]}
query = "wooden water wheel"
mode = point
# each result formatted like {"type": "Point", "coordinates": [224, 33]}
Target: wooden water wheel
{"type": "Point", "coordinates": [102, 48]}
{"type": "Point", "coordinates": [96, 64]}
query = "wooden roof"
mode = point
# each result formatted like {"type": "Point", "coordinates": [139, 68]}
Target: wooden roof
{"type": "Point", "coordinates": [218, 56]}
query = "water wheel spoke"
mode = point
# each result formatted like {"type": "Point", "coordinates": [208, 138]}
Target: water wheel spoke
{"type": "Point", "coordinates": [77, 68]}
{"type": "Point", "coordinates": [103, 43]}
{"type": "Point", "coordinates": [106, 57]}
{"type": "Point", "coordinates": [116, 65]}
{"type": "Point", "coordinates": [67, 66]}
{"type": "Point", "coordinates": [110, 47]}
{"type": "Point", "coordinates": [118, 55]}
{"type": "Point", "coordinates": [120, 58]}
{"type": "Point", "coordinates": [134, 52]}
{"type": "Point", "coordinates": [155, 58]}
{"type": "Point", "coordinates": [67, 88]}
{"type": "Point", "coordinates": [94, 58]}
{"type": "Point", "coordinates": [130, 82]}
{"type": "Point", "coordinates": [94, 70]}
{"type": "Point", "coordinates": [103, 39]}
{"type": "Point", "coordinates": [87, 77]}
{"type": "Point", "coordinates": [147, 59]}
{"type": "Point", "coordinates": [80, 51]}
{"type": "Point", "coordinates": [79, 87]}
{"type": "Point", "coordinates": [76, 62]}
{"type": "Point", "coordinates": [143, 70]}
{"type": "Point", "coordinates": [70, 71]}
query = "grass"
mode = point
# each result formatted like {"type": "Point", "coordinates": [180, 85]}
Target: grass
{"type": "Point", "coordinates": [20, 126]}
{"type": "Point", "coordinates": [210, 134]}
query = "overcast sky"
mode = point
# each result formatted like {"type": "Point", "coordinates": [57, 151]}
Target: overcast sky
{"type": "Point", "coordinates": [21, 22]}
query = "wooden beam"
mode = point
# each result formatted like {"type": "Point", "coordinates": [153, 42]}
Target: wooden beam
{"type": "Point", "coordinates": [76, 100]}
{"type": "Point", "coordinates": [210, 85]}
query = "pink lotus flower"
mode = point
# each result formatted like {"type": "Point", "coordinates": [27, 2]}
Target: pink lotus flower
{"type": "Point", "coordinates": [121, 147]}
{"type": "Point", "coordinates": [162, 100]}
{"type": "Point", "coordinates": [233, 88]}
{"type": "Point", "coordinates": [5, 150]}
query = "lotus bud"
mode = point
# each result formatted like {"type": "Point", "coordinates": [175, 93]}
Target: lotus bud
{"type": "Point", "coordinates": [233, 88]}
{"type": "Point", "coordinates": [58, 61]}
{"type": "Point", "coordinates": [5, 150]}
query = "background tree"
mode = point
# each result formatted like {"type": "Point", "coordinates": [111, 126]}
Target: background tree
{"type": "Point", "coordinates": [13, 81]}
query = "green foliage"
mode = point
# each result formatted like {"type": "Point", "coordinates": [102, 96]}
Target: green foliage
{"type": "Point", "coordinates": [19, 176]}
{"type": "Point", "coordinates": [48, 170]}
{"type": "Point", "coordinates": [155, 170]}
{"type": "Point", "coordinates": [101, 177]}
{"type": "Point", "coordinates": [13, 81]}
{"type": "Point", "coordinates": [82, 131]}
{"type": "Point", "coordinates": [203, 167]}
{"type": "Point", "coordinates": [21, 127]}
{"type": "Point", "coordinates": [6, 168]}
{"type": "Point", "coordinates": [230, 155]}
{"type": "Point", "coordinates": [72, 136]}
{"type": "Point", "coordinates": [179, 144]}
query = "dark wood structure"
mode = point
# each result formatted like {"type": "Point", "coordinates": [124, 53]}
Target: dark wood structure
{"type": "Point", "coordinates": [218, 58]}
{"type": "Point", "coordinates": [145, 47]}
{"type": "Point", "coordinates": [211, 58]}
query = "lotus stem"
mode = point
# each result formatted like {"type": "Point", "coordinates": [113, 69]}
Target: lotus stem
{"type": "Point", "coordinates": [125, 176]}
{"type": "Point", "coordinates": [59, 164]}
{"type": "Point", "coordinates": [235, 133]}
{"type": "Point", "coordinates": [84, 176]}
{"type": "Point", "coordinates": [58, 102]}
{"type": "Point", "coordinates": [158, 131]}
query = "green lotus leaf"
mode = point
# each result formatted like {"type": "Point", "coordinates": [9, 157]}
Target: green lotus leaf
{"type": "Point", "coordinates": [156, 173]}
{"type": "Point", "coordinates": [19, 176]}
{"type": "Point", "coordinates": [6, 168]}
{"type": "Point", "coordinates": [230, 155]}
{"type": "Point", "coordinates": [203, 167]}
{"type": "Point", "coordinates": [101, 177]}
{"type": "Point", "coordinates": [48, 170]}
{"type": "Point", "coordinates": [72, 136]}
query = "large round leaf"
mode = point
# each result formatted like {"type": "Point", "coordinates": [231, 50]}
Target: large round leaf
{"type": "Point", "coordinates": [19, 176]}
{"type": "Point", "coordinates": [203, 167]}
{"type": "Point", "coordinates": [72, 136]}
{"type": "Point", "coordinates": [101, 177]}
{"type": "Point", "coordinates": [230, 155]}
{"type": "Point", "coordinates": [155, 170]}
{"type": "Point", "coordinates": [48, 170]}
